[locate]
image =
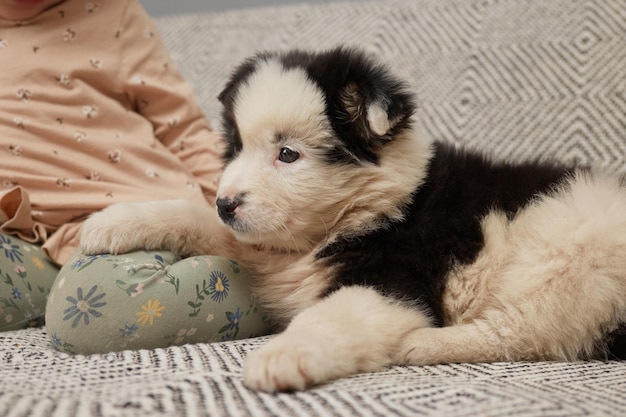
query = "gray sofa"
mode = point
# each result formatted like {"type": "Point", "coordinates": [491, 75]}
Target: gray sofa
{"type": "Point", "coordinates": [516, 78]}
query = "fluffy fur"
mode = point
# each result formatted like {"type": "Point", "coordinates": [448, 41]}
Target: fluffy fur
{"type": "Point", "coordinates": [372, 246]}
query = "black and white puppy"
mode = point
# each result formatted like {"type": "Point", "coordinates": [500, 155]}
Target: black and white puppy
{"type": "Point", "coordinates": [372, 246]}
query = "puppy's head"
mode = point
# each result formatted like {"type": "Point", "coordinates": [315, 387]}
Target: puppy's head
{"type": "Point", "coordinates": [304, 132]}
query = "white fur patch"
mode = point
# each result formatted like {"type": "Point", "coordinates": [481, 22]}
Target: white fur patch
{"type": "Point", "coordinates": [275, 99]}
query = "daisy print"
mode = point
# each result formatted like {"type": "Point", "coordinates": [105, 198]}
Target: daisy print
{"type": "Point", "coordinates": [174, 121]}
{"type": "Point", "coordinates": [10, 182]}
{"type": "Point", "coordinates": [69, 35]}
{"type": "Point", "coordinates": [11, 250]}
{"type": "Point", "coordinates": [151, 173]}
{"type": "Point", "coordinates": [64, 79]}
{"type": "Point", "coordinates": [138, 80]}
{"type": "Point", "coordinates": [16, 150]}
{"type": "Point", "coordinates": [95, 63]}
{"type": "Point", "coordinates": [149, 312]}
{"type": "Point", "coordinates": [80, 136]}
{"type": "Point", "coordinates": [83, 307]}
{"type": "Point", "coordinates": [24, 94]}
{"type": "Point", "coordinates": [63, 183]}
{"type": "Point", "coordinates": [115, 156]}
{"type": "Point", "coordinates": [91, 7]}
{"type": "Point", "coordinates": [38, 263]}
{"type": "Point", "coordinates": [218, 286]}
{"type": "Point", "coordinates": [90, 111]}
{"type": "Point", "coordinates": [20, 122]}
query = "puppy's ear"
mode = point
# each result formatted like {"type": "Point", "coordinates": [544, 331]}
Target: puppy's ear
{"type": "Point", "coordinates": [377, 105]}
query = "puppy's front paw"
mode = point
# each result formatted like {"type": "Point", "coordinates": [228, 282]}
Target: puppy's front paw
{"type": "Point", "coordinates": [283, 365]}
{"type": "Point", "coordinates": [295, 361]}
{"type": "Point", "coordinates": [177, 226]}
{"type": "Point", "coordinates": [116, 229]}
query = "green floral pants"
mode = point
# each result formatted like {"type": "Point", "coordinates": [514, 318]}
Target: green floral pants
{"type": "Point", "coordinates": [139, 300]}
{"type": "Point", "coordinates": [26, 277]}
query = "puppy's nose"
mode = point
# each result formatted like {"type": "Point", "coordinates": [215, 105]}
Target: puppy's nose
{"type": "Point", "coordinates": [226, 208]}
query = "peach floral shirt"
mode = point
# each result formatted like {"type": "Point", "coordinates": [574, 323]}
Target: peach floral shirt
{"type": "Point", "coordinates": [93, 112]}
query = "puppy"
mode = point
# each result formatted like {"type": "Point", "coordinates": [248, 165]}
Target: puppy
{"type": "Point", "coordinates": [373, 246]}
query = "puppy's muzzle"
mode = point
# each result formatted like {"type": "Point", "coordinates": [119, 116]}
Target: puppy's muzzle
{"type": "Point", "coordinates": [226, 208]}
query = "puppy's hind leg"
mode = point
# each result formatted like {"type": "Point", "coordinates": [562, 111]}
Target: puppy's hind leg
{"type": "Point", "coordinates": [563, 287]}
{"type": "Point", "coordinates": [355, 329]}
{"type": "Point", "coordinates": [454, 344]}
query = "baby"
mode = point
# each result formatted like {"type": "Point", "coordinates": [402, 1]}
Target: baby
{"type": "Point", "coordinates": [93, 112]}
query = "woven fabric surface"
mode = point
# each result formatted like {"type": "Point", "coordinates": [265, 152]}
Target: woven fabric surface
{"type": "Point", "coordinates": [205, 380]}
{"type": "Point", "coordinates": [515, 78]}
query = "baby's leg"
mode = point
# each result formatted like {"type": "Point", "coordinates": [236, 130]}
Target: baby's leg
{"type": "Point", "coordinates": [144, 300]}
{"type": "Point", "coordinates": [26, 276]}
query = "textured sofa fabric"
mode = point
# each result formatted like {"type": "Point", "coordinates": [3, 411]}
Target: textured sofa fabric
{"type": "Point", "coordinates": [517, 78]}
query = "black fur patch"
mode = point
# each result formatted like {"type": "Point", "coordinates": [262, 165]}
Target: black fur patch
{"type": "Point", "coordinates": [227, 97]}
{"type": "Point", "coordinates": [335, 70]}
{"type": "Point", "coordinates": [412, 258]}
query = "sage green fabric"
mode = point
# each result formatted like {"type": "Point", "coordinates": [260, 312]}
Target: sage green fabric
{"type": "Point", "coordinates": [141, 300]}
{"type": "Point", "coordinates": [144, 300]}
{"type": "Point", "coordinates": [26, 277]}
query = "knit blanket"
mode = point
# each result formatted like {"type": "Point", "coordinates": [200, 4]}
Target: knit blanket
{"type": "Point", "coordinates": [515, 78]}
{"type": "Point", "coordinates": [205, 380]}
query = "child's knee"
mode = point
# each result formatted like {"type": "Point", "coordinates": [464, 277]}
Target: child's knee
{"type": "Point", "coordinates": [148, 300]}
{"type": "Point", "coordinates": [26, 277]}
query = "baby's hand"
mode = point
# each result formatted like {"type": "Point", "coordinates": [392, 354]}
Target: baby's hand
{"type": "Point", "coordinates": [175, 225]}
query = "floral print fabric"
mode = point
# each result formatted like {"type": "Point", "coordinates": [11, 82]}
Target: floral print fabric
{"type": "Point", "coordinates": [133, 301]}
{"type": "Point", "coordinates": [26, 277]}
{"type": "Point", "coordinates": [150, 299]}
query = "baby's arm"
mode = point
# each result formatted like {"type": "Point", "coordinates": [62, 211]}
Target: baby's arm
{"type": "Point", "coordinates": [162, 96]}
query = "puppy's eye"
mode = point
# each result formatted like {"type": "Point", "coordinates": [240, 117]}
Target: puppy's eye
{"type": "Point", "coordinates": [288, 155]}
